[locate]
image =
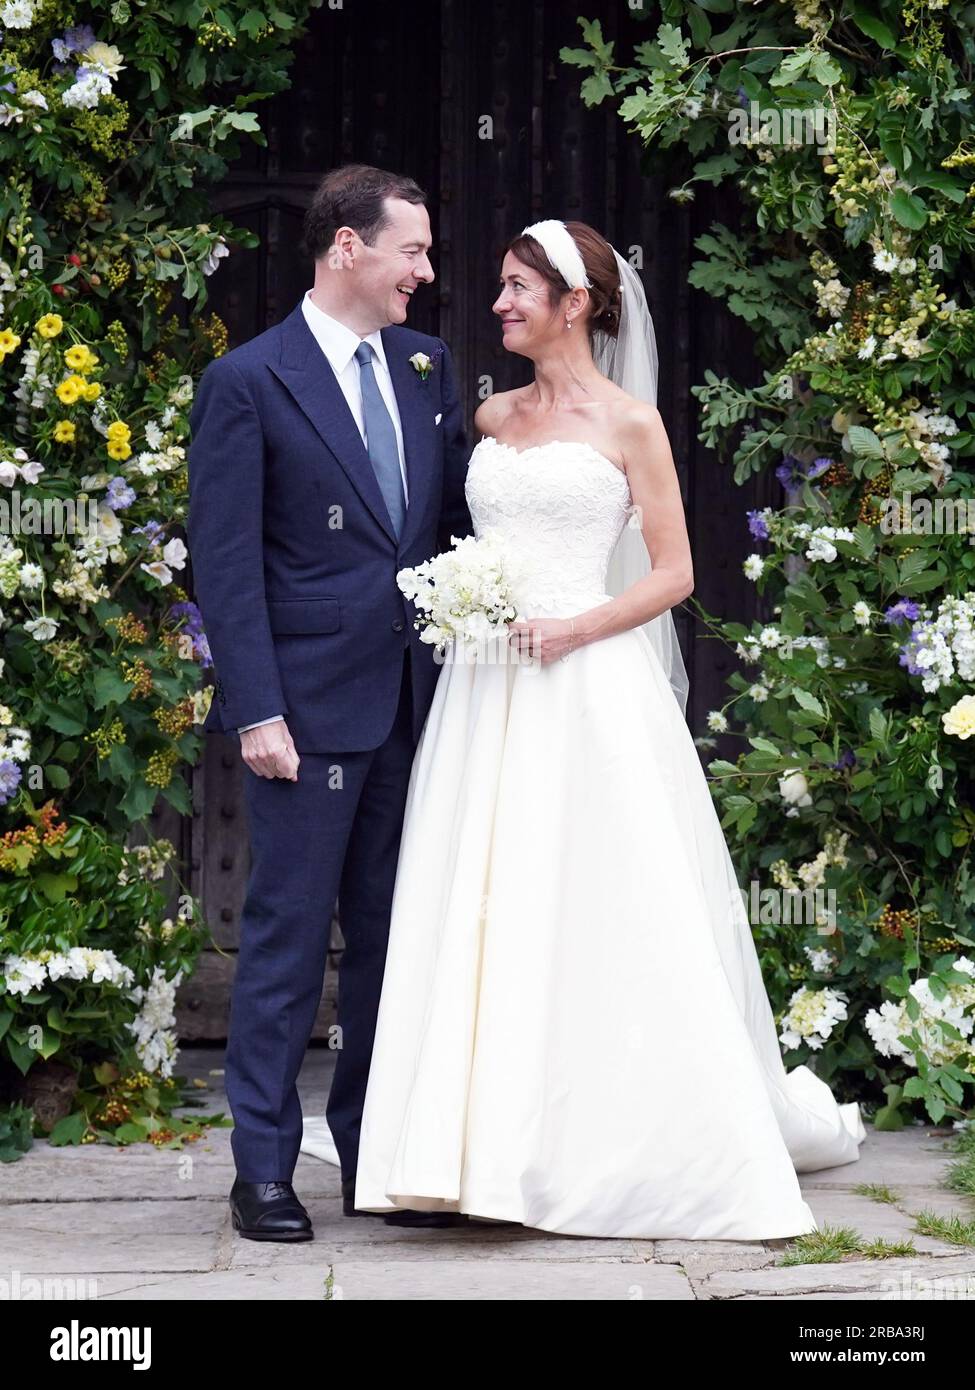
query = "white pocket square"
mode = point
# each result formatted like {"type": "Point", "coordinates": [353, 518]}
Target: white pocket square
{"type": "Point", "coordinates": [437, 419]}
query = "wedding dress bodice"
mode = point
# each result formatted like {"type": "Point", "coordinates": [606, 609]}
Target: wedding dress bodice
{"type": "Point", "coordinates": [558, 510]}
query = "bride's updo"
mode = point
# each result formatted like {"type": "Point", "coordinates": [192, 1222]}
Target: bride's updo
{"type": "Point", "coordinates": [605, 295]}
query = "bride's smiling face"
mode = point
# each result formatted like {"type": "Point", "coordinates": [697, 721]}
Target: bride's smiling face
{"type": "Point", "coordinates": [523, 306]}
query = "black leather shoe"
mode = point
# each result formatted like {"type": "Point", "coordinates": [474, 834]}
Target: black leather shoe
{"type": "Point", "coordinates": [349, 1207]}
{"type": "Point", "coordinates": [268, 1211]}
{"type": "Point", "coordinates": [406, 1216]}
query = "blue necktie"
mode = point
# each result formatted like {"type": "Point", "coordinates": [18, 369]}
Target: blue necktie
{"type": "Point", "coordinates": [381, 439]}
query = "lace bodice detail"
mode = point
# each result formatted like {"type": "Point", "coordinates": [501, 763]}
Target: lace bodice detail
{"type": "Point", "coordinates": [558, 509]}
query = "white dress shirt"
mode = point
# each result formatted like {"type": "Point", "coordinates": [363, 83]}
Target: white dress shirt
{"type": "Point", "coordinates": [339, 342]}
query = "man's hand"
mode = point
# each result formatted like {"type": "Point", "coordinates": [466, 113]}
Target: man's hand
{"type": "Point", "coordinates": [269, 751]}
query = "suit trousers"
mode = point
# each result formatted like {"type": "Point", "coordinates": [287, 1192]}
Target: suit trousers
{"type": "Point", "coordinates": [333, 834]}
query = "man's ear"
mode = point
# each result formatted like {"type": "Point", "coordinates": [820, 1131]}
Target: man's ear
{"type": "Point", "coordinates": [344, 249]}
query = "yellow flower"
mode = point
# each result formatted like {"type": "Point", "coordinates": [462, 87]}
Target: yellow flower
{"type": "Point", "coordinates": [960, 719]}
{"type": "Point", "coordinates": [70, 389]}
{"type": "Point", "coordinates": [8, 340]}
{"type": "Point", "coordinates": [118, 449]}
{"type": "Point", "coordinates": [118, 429]}
{"type": "Point", "coordinates": [50, 325]}
{"type": "Point", "coordinates": [92, 391]}
{"type": "Point", "coordinates": [80, 358]}
{"type": "Point", "coordinates": [64, 432]}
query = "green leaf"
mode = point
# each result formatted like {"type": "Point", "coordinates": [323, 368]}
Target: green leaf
{"type": "Point", "coordinates": [56, 886]}
{"type": "Point", "coordinates": [808, 702]}
{"type": "Point", "coordinates": [58, 717]}
{"type": "Point", "coordinates": [791, 68]}
{"type": "Point", "coordinates": [908, 209]}
{"type": "Point", "coordinates": [874, 28]}
{"type": "Point", "coordinates": [865, 443]}
{"type": "Point", "coordinates": [69, 1130]}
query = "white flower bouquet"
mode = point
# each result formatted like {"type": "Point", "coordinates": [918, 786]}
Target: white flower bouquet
{"type": "Point", "coordinates": [462, 594]}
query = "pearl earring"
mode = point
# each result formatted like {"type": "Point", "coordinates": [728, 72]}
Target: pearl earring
{"type": "Point", "coordinates": [568, 321]}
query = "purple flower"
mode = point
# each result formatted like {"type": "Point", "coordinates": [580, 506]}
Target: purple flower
{"type": "Point", "coordinates": [9, 780]}
{"type": "Point", "coordinates": [910, 649]}
{"type": "Point", "coordinates": [187, 615]}
{"type": "Point", "coordinates": [118, 495]}
{"type": "Point", "coordinates": [60, 49]}
{"type": "Point", "coordinates": [758, 526]}
{"type": "Point", "coordinates": [153, 531]}
{"type": "Point", "coordinates": [905, 610]}
{"type": "Point", "coordinates": [201, 650]}
{"type": "Point", "coordinates": [78, 38]}
{"type": "Point", "coordinates": [189, 619]}
{"type": "Point", "coordinates": [790, 473]}
{"type": "Point", "coordinates": [847, 759]}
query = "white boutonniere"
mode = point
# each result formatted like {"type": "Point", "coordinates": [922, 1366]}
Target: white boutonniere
{"type": "Point", "coordinates": [423, 364]}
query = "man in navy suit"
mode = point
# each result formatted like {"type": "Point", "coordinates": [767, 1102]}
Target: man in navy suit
{"type": "Point", "coordinates": [328, 453]}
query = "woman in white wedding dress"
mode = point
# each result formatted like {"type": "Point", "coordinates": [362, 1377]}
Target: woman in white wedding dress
{"type": "Point", "coordinates": [574, 1033]}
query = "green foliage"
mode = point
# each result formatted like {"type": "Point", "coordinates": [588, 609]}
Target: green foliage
{"type": "Point", "coordinates": [113, 131]}
{"type": "Point", "coordinates": [845, 132]}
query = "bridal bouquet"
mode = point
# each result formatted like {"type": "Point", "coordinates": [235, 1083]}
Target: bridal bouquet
{"type": "Point", "coordinates": [462, 594]}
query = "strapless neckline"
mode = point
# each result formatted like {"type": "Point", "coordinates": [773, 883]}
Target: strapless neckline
{"type": "Point", "coordinates": [551, 444]}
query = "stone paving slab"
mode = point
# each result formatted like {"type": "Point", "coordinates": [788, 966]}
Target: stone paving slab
{"type": "Point", "coordinates": [529, 1280]}
{"type": "Point", "coordinates": [147, 1224]}
{"type": "Point", "coordinates": [874, 1277]}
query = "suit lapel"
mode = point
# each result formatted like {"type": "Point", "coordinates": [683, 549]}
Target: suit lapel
{"type": "Point", "coordinates": [305, 371]}
{"type": "Point", "coordinates": [415, 398]}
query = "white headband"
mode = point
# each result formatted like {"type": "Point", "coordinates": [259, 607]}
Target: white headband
{"type": "Point", "coordinates": [556, 241]}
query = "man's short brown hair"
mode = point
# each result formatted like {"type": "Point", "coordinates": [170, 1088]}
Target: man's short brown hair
{"type": "Point", "coordinates": [354, 196]}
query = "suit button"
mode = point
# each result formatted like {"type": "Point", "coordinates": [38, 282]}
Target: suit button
{"type": "Point", "coordinates": [398, 625]}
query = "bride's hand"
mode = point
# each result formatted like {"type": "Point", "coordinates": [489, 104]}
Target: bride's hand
{"type": "Point", "coordinates": [543, 639]}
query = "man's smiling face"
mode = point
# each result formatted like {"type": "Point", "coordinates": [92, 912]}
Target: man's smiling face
{"type": "Point", "coordinates": [389, 271]}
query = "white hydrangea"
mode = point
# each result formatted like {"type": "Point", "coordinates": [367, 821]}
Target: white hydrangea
{"type": "Point", "coordinates": [891, 1021]}
{"type": "Point", "coordinates": [811, 1017]}
{"type": "Point", "coordinates": [821, 960]}
{"type": "Point", "coordinates": [821, 545]}
{"type": "Point", "coordinates": [942, 646]}
{"type": "Point", "coordinates": [753, 567]}
{"type": "Point", "coordinates": [155, 1040]}
{"type": "Point", "coordinates": [82, 963]}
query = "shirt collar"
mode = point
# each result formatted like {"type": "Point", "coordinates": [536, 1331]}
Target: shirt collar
{"type": "Point", "coordinates": [337, 340]}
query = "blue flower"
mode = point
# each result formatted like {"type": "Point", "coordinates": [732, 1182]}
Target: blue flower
{"type": "Point", "coordinates": [9, 780]}
{"type": "Point", "coordinates": [757, 525]}
{"type": "Point", "coordinates": [78, 38]}
{"type": "Point", "coordinates": [153, 531]}
{"type": "Point", "coordinates": [118, 495]}
{"type": "Point", "coordinates": [201, 650]}
{"type": "Point", "coordinates": [789, 473]}
{"type": "Point", "coordinates": [189, 613]}
{"type": "Point", "coordinates": [905, 610]}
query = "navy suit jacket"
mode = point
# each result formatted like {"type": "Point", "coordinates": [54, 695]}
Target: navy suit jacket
{"type": "Point", "coordinates": [294, 554]}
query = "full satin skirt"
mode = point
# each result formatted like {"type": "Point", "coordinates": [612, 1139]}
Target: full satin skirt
{"type": "Point", "coordinates": [574, 1033]}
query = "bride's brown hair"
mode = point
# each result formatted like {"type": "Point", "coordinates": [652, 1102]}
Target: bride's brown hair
{"type": "Point", "coordinates": [605, 294]}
